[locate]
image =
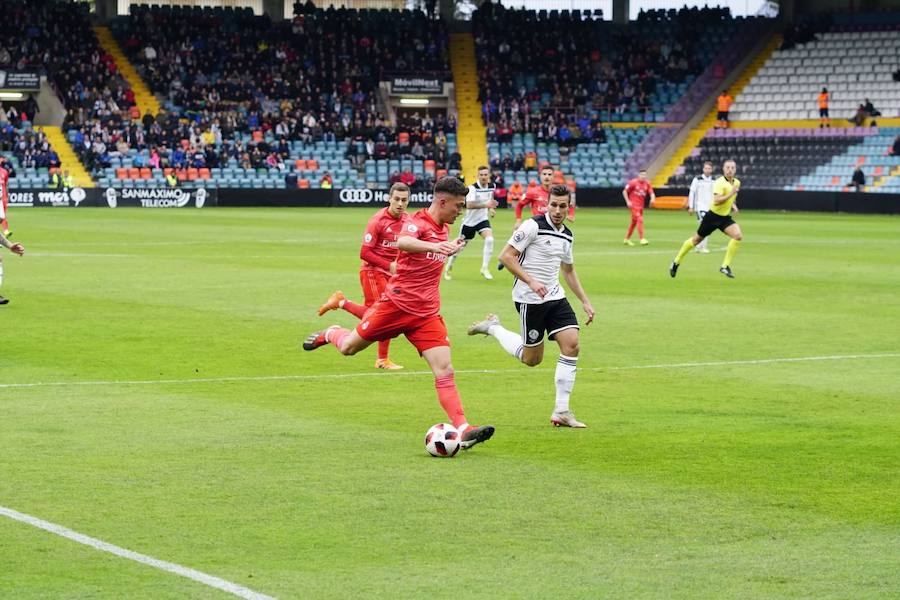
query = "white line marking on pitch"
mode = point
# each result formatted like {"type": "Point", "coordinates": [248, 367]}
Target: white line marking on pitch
{"type": "Point", "coordinates": [215, 582]}
{"type": "Point", "coordinates": [718, 363]}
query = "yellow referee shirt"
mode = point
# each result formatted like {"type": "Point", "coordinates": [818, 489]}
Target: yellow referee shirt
{"type": "Point", "coordinates": [722, 188]}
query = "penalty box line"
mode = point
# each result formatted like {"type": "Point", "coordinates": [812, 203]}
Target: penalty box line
{"type": "Point", "coordinates": [198, 576]}
{"type": "Point", "coordinates": [332, 376]}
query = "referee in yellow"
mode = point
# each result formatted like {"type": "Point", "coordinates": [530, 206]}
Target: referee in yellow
{"type": "Point", "coordinates": [725, 191]}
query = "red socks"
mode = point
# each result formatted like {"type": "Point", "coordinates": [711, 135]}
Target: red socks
{"type": "Point", "coordinates": [336, 335]}
{"type": "Point", "coordinates": [449, 398]}
{"type": "Point", "coordinates": [357, 310]}
{"type": "Point", "coordinates": [383, 348]}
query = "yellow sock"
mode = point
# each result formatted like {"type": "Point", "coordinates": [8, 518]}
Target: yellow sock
{"type": "Point", "coordinates": [729, 253]}
{"type": "Point", "coordinates": [685, 248]}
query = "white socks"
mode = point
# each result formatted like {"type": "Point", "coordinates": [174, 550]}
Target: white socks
{"type": "Point", "coordinates": [511, 342]}
{"type": "Point", "coordinates": [565, 381]}
{"type": "Point", "coordinates": [488, 250]}
{"type": "Point", "coordinates": [1, 272]}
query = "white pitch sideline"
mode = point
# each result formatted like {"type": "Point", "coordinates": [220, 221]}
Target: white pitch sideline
{"type": "Point", "coordinates": [209, 580]}
{"type": "Point", "coordinates": [324, 376]}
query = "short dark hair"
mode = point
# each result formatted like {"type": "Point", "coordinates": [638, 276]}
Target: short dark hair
{"type": "Point", "coordinates": [547, 166]}
{"type": "Point", "coordinates": [450, 185]}
{"type": "Point", "coordinates": [559, 190]}
{"type": "Point", "coordinates": [708, 162]}
{"type": "Point", "coordinates": [483, 168]}
{"type": "Point", "coordinates": [398, 187]}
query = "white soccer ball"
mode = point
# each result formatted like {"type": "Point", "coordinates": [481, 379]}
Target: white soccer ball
{"type": "Point", "coordinates": [442, 441]}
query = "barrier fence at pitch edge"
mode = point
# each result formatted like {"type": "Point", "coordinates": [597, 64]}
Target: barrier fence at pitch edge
{"type": "Point", "coordinates": [585, 197]}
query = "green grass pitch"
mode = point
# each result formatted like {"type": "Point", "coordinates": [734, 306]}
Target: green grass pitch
{"type": "Point", "coordinates": [226, 448]}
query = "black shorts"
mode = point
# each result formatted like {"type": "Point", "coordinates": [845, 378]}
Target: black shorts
{"type": "Point", "coordinates": [550, 317]}
{"type": "Point", "coordinates": [469, 232]}
{"type": "Point", "coordinates": [722, 115]}
{"type": "Point", "coordinates": [711, 221]}
{"type": "Point", "coordinates": [823, 112]}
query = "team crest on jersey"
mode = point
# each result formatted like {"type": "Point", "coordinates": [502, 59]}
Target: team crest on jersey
{"type": "Point", "coordinates": [533, 335]}
{"type": "Point", "coordinates": [412, 228]}
{"type": "Point", "coordinates": [368, 237]}
{"type": "Point", "coordinates": [519, 236]}
{"type": "Point", "coordinates": [365, 325]}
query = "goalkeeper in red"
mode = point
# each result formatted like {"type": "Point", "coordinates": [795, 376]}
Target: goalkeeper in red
{"type": "Point", "coordinates": [379, 262]}
{"type": "Point", "coordinates": [411, 303]}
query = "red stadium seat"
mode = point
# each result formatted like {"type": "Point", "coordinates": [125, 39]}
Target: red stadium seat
{"type": "Point", "coordinates": [303, 184]}
{"type": "Point", "coordinates": [429, 166]}
{"type": "Point", "coordinates": [312, 164]}
{"type": "Point", "coordinates": [192, 174]}
{"type": "Point", "coordinates": [300, 164]}
{"type": "Point", "coordinates": [145, 173]}
{"type": "Point", "coordinates": [204, 173]}
{"type": "Point", "coordinates": [134, 173]}
{"type": "Point", "coordinates": [121, 173]}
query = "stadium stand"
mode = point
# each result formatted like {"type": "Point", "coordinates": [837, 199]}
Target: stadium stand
{"type": "Point", "coordinates": [852, 65]}
{"type": "Point", "coordinates": [311, 99]}
{"type": "Point", "coordinates": [792, 158]}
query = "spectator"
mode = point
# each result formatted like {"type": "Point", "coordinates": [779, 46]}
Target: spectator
{"type": "Point", "coordinates": [870, 109]}
{"type": "Point", "coordinates": [824, 121]}
{"type": "Point", "coordinates": [723, 107]}
{"type": "Point", "coordinates": [326, 183]}
{"type": "Point", "coordinates": [860, 117]}
{"type": "Point", "coordinates": [171, 179]}
{"type": "Point", "coordinates": [858, 180]}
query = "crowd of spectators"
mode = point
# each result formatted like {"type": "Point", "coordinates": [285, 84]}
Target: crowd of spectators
{"type": "Point", "coordinates": [573, 68]}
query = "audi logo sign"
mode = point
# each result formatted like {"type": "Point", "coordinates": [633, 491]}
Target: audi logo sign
{"type": "Point", "coordinates": [365, 196]}
{"type": "Point", "coordinates": [356, 195]}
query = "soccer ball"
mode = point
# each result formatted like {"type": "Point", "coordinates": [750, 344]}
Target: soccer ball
{"type": "Point", "coordinates": [442, 440]}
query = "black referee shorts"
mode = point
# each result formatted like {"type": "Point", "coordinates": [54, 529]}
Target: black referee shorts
{"type": "Point", "coordinates": [549, 317]}
{"type": "Point", "coordinates": [711, 221]}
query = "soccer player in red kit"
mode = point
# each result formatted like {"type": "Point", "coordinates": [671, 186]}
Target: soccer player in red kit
{"type": "Point", "coordinates": [635, 193]}
{"type": "Point", "coordinates": [4, 197]}
{"type": "Point", "coordinates": [411, 303]}
{"type": "Point", "coordinates": [379, 263]}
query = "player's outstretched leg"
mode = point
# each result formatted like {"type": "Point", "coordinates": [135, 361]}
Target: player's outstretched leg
{"type": "Point", "coordinates": [333, 303]}
{"type": "Point", "coordinates": [317, 339]}
{"type": "Point", "coordinates": [511, 342]}
{"type": "Point", "coordinates": [685, 248]}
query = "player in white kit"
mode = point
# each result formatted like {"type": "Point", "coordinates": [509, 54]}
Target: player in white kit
{"type": "Point", "coordinates": [700, 199]}
{"type": "Point", "coordinates": [539, 250]}
{"type": "Point", "coordinates": [480, 206]}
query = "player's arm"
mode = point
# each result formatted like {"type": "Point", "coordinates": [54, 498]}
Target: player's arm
{"type": "Point", "coordinates": [625, 195]}
{"type": "Point", "coordinates": [652, 197]}
{"type": "Point", "coordinates": [472, 202]}
{"type": "Point", "coordinates": [14, 248]}
{"type": "Point", "coordinates": [371, 239]}
{"type": "Point", "coordinates": [721, 197]}
{"type": "Point", "coordinates": [571, 277]}
{"type": "Point", "coordinates": [413, 245]}
{"type": "Point", "coordinates": [510, 259]}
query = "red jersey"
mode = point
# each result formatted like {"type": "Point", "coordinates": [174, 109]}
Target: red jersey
{"type": "Point", "coordinates": [538, 198]}
{"type": "Point", "coordinates": [638, 190]}
{"type": "Point", "coordinates": [379, 247]}
{"type": "Point", "coordinates": [415, 287]}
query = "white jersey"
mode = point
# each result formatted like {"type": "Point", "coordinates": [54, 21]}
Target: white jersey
{"type": "Point", "coordinates": [701, 195]}
{"type": "Point", "coordinates": [542, 249]}
{"type": "Point", "coordinates": [477, 194]}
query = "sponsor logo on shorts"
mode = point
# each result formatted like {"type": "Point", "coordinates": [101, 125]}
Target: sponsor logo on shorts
{"type": "Point", "coordinates": [533, 335]}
